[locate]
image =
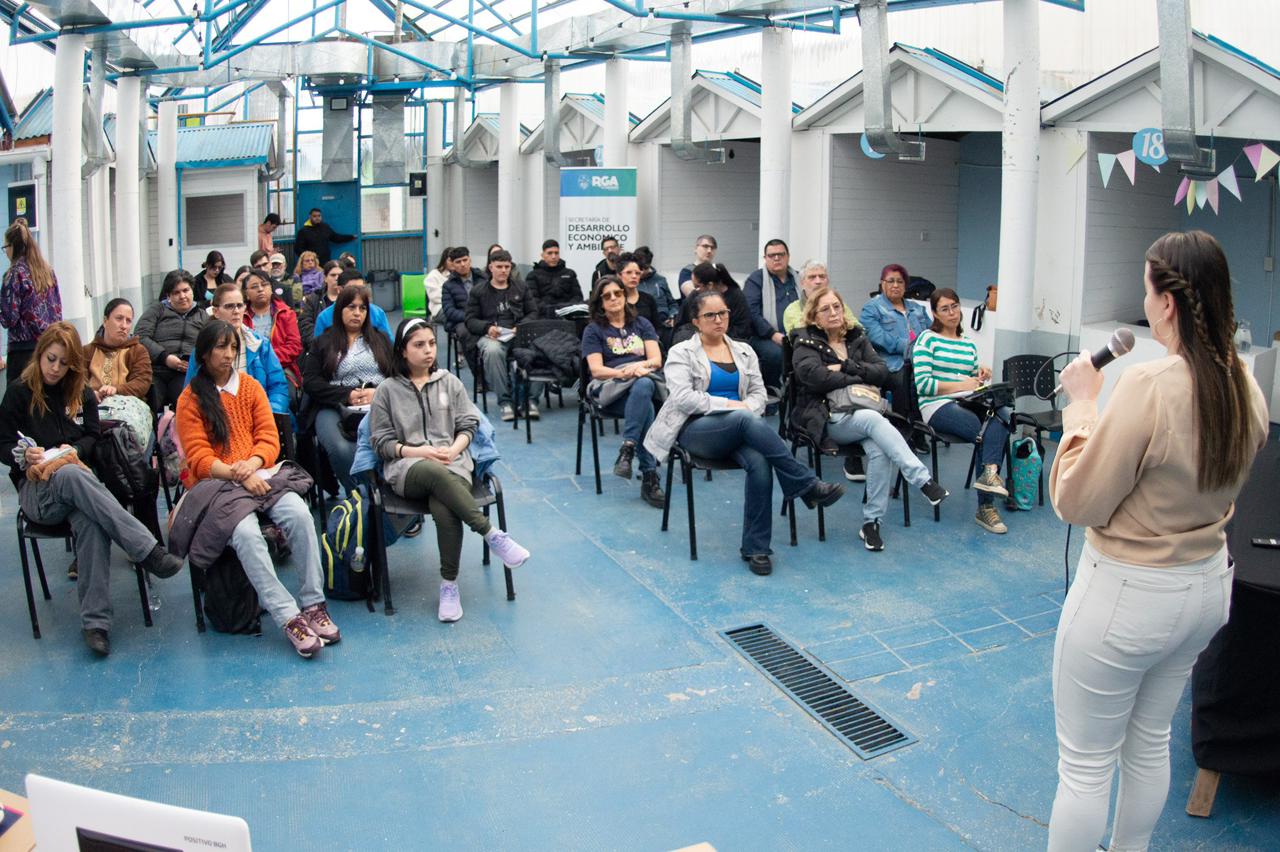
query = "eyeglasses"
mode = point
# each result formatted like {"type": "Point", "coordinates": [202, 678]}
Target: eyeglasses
{"type": "Point", "coordinates": [706, 245]}
{"type": "Point", "coordinates": [232, 306]}
{"type": "Point", "coordinates": [777, 255]}
{"type": "Point", "coordinates": [893, 281]}
{"type": "Point", "coordinates": [611, 295]}
{"type": "Point", "coordinates": [952, 308]}
{"type": "Point", "coordinates": [831, 309]}
{"type": "Point", "coordinates": [715, 316]}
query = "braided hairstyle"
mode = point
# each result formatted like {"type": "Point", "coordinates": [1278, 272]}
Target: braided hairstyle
{"type": "Point", "coordinates": [1192, 268]}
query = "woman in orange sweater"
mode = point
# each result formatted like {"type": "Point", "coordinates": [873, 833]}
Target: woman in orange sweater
{"type": "Point", "coordinates": [229, 433]}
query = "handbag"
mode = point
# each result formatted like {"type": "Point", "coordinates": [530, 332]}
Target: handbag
{"type": "Point", "coordinates": [856, 398]}
{"type": "Point", "coordinates": [608, 391]}
{"type": "Point", "coordinates": [350, 420]}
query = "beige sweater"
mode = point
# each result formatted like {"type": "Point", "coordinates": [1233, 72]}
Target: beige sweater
{"type": "Point", "coordinates": [1129, 475]}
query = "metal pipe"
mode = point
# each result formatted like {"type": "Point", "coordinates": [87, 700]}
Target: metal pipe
{"type": "Point", "coordinates": [395, 51]}
{"type": "Point", "coordinates": [53, 35]}
{"type": "Point", "coordinates": [472, 29]}
{"type": "Point", "coordinates": [551, 113]}
{"type": "Point", "coordinates": [459, 128]}
{"type": "Point", "coordinates": [1177, 89]}
{"type": "Point", "coordinates": [682, 94]}
{"type": "Point", "coordinates": [96, 154]}
{"type": "Point", "coordinates": [225, 55]}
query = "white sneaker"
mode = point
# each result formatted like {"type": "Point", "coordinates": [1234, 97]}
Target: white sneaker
{"type": "Point", "coordinates": [450, 602]}
{"type": "Point", "coordinates": [506, 548]}
{"type": "Point", "coordinates": [533, 411]}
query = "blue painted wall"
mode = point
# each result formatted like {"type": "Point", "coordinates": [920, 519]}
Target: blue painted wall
{"type": "Point", "coordinates": [1241, 227]}
{"type": "Point", "coordinates": [979, 214]}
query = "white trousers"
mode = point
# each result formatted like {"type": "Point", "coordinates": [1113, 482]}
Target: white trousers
{"type": "Point", "coordinates": [1126, 643]}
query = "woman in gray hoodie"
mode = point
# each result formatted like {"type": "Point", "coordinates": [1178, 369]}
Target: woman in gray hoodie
{"type": "Point", "coordinates": [421, 423]}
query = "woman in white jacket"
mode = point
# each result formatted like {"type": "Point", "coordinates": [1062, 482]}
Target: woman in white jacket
{"type": "Point", "coordinates": [714, 410]}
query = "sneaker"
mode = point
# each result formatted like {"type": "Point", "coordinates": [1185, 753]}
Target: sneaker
{"type": "Point", "coordinates": [870, 535]}
{"type": "Point", "coordinates": [73, 570]}
{"type": "Point", "coordinates": [98, 641]}
{"type": "Point", "coordinates": [759, 563]}
{"type": "Point", "coordinates": [450, 602]}
{"type": "Point", "coordinates": [321, 624]}
{"type": "Point", "coordinates": [650, 491]}
{"type": "Point", "coordinates": [989, 519]}
{"type": "Point", "coordinates": [413, 528]}
{"type": "Point", "coordinates": [622, 467]}
{"type": "Point", "coordinates": [508, 412]}
{"type": "Point", "coordinates": [934, 493]}
{"type": "Point", "coordinates": [506, 548]}
{"type": "Point", "coordinates": [161, 563]}
{"type": "Point", "coordinates": [822, 494]}
{"type": "Point", "coordinates": [919, 445]}
{"type": "Point", "coordinates": [532, 410]}
{"type": "Point", "coordinates": [304, 639]}
{"type": "Point", "coordinates": [990, 481]}
{"type": "Point", "coordinates": [853, 470]}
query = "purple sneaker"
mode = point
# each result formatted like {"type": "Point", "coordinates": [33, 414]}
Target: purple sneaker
{"type": "Point", "coordinates": [321, 624]}
{"type": "Point", "coordinates": [506, 548]}
{"type": "Point", "coordinates": [304, 639]}
{"type": "Point", "coordinates": [450, 602]}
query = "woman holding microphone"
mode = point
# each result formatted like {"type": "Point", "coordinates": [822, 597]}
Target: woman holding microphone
{"type": "Point", "coordinates": [1155, 481]}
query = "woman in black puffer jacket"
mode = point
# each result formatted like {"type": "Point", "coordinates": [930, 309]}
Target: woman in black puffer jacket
{"type": "Point", "coordinates": [828, 356]}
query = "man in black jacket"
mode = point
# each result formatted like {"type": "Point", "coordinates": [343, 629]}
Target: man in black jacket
{"type": "Point", "coordinates": [609, 266]}
{"type": "Point", "coordinates": [552, 282]}
{"type": "Point", "coordinates": [315, 235]}
{"type": "Point", "coordinates": [494, 308]}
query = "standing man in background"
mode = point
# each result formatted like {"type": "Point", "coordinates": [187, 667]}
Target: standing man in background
{"type": "Point", "coordinates": [316, 235]}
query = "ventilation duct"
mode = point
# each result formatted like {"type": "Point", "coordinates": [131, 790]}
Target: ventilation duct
{"type": "Point", "coordinates": [877, 98]}
{"type": "Point", "coordinates": [682, 95]}
{"type": "Point", "coordinates": [1177, 89]}
{"type": "Point", "coordinates": [338, 163]}
{"type": "Point", "coordinates": [460, 127]}
{"type": "Point", "coordinates": [388, 139]}
{"type": "Point", "coordinates": [95, 138]}
{"type": "Point", "coordinates": [551, 113]}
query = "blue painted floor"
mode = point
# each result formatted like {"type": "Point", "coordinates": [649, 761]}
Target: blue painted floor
{"type": "Point", "coordinates": [601, 709]}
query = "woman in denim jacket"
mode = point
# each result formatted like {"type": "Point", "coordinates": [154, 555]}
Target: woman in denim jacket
{"type": "Point", "coordinates": [893, 324]}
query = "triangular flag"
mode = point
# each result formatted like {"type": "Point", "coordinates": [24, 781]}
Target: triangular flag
{"type": "Point", "coordinates": [1106, 162]}
{"type": "Point", "coordinates": [1253, 152]}
{"type": "Point", "coordinates": [1075, 151]}
{"type": "Point", "coordinates": [1191, 198]}
{"type": "Point", "coordinates": [1182, 191]}
{"type": "Point", "coordinates": [1228, 181]}
{"type": "Point", "coordinates": [1157, 168]}
{"type": "Point", "coordinates": [1213, 194]}
{"type": "Point", "coordinates": [1267, 160]}
{"type": "Point", "coordinates": [1127, 161]}
{"type": "Point", "coordinates": [1202, 194]}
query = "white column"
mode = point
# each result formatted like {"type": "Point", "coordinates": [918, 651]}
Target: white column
{"type": "Point", "coordinates": [128, 248]}
{"type": "Point", "coordinates": [775, 135]}
{"type": "Point", "coordinates": [1019, 175]}
{"type": "Point", "coordinates": [508, 165]}
{"type": "Point", "coordinates": [435, 182]}
{"type": "Point", "coordinates": [68, 242]}
{"type": "Point", "coordinates": [167, 184]}
{"type": "Point", "coordinates": [617, 123]}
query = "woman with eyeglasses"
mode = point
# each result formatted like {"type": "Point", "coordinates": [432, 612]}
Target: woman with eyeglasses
{"type": "Point", "coordinates": [340, 374]}
{"type": "Point", "coordinates": [714, 410]}
{"type": "Point", "coordinates": [630, 270]}
{"type": "Point", "coordinates": [213, 273]}
{"type": "Point", "coordinates": [272, 319]}
{"type": "Point", "coordinates": [169, 329]}
{"type": "Point", "coordinates": [833, 353]}
{"type": "Point", "coordinates": [893, 324]}
{"type": "Point", "coordinates": [254, 355]}
{"type": "Point", "coordinates": [946, 362]}
{"type": "Point", "coordinates": [623, 355]}
{"type": "Point", "coordinates": [29, 298]}
{"type": "Point", "coordinates": [713, 276]}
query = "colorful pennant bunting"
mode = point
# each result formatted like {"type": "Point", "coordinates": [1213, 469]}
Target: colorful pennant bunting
{"type": "Point", "coordinates": [1106, 162]}
{"type": "Point", "coordinates": [1182, 191]}
{"type": "Point", "coordinates": [1213, 194]}
{"type": "Point", "coordinates": [1202, 194]}
{"type": "Point", "coordinates": [1127, 161]}
{"type": "Point", "coordinates": [1228, 180]}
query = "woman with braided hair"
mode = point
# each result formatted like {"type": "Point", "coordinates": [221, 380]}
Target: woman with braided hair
{"type": "Point", "coordinates": [1154, 480]}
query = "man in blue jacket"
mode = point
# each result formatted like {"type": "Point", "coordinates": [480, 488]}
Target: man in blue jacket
{"type": "Point", "coordinates": [454, 295]}
{"type": "Point", "coordinates": [769, 290]}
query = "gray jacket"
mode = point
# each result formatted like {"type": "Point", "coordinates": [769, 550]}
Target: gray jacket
{"type": "Point", "coordinates": [434, 416]}
{"type": "Point", "coordinates": [164, 331]}
{"type": "Point", "coordinates": [688, 372]}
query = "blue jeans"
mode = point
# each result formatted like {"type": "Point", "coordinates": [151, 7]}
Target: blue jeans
{"type": "Point", "coordinates": [747, 439]}
{"type": "Point", "coordinates": [340, 451]}
{"type": "Point", "coordinates": [770, 355]}
{"type": "Point", "coordinates": [886, 451]}
{"type": "Point", "coordinates": [637, 413]}
{"type": "Point", "coordinates": [954, 419]}
{"type": "Point", "coordinates": [291, 515]}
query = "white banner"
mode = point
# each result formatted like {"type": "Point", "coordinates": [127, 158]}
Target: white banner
{"type": "Point", "coordinates": [594, 204]}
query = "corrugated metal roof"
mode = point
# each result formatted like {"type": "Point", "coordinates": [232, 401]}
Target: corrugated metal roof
{"type": "Point", "coordinates": [222, 145]}
{"type": "Point", "coordinates": [737, 85]}
{"type": "Point", "coordinates": [1237, 52]}
{"type": "Point", "coordinates": [37, 118]}
{"type": "Point", "coordinates": [948, 64]}
{"type": "Point", "coordinates": [593, 105]}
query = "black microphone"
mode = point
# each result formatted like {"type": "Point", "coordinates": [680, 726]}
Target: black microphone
{"type": "Point", "coordinates": [1121, 343]}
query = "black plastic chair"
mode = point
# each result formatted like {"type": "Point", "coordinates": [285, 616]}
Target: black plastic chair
{"type": "Point", "coordinates": [592, 411]}
{"type": "Point", "coordinates": [1036, 375]}
{"type": "Point", "coordinates": [688, 464]}
{"type": "Point", "coordinates": [29, 530]}
{"type": "Point", "coordinates": [487, 492]}
{"type": "Point", "coordinates": [527, 332]}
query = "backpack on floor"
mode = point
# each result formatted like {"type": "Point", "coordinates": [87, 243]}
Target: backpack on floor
{"type": "Point", "coordinates": [1027, 465]}
{"type": "Point", "coordinates": [343, 556]}
{"type": "Point", "coordinates": [171, 455]}
{"type": "Point", "coordinates": [230, 601]}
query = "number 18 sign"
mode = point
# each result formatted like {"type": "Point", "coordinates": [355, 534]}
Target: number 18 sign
{"type": "Point", "coordinates": [1148, 145]}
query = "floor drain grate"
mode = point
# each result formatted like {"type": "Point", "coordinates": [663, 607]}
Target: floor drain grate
{"type": "Point", "coordinates": [811, 685]}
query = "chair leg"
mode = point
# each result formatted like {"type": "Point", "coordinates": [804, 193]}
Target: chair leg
{"type": "Point", "coordinates": [933, 451]}
{"type": "Point", "coordinates": [790, 509]}
{"type": "Point", "coordinates": [196, 597]}
{"type": "Point", "coordinates": [693, 524]}
{"type": "Point", "coordinates": [142, 593]}
{"type": "Point", "coordinates": [44, 582]}
{"type": "Point", "coordinates": [528, 421]}
{"type": "Point", "coordinates": [26, 579]}
{"type": "Point", "coordinates": [595, 453]}
{"type": "Point", "coordinates": [666, 499]}
{"type": "Point", "coordinates": [582, 418]}
{"type": "Point", "coordinates": [617, 430]}
{"type": "Point", "coordinates": [973, 465]}
{"type": "Point", "coordinates": [906, 499]}
{"type": "Point", "coordinates": [502, 524]}
{"type": "Point", "coordinates": [816, 459]}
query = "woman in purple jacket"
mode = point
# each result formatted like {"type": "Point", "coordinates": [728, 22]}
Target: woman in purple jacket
{"type": "Point", "coordinates": [29, 298]}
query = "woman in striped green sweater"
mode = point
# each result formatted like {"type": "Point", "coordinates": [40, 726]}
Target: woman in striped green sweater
{"type": "Point", "coordinates": [946, 362]}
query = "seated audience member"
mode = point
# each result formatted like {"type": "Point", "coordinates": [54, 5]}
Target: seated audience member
{"type": "Point", "coordinates": [946, 362]}
{"type": "Point", "coordinates": [231, 443]}
{"type": "Point", "coordinates": [242, 275]}
{"type": "Point", "coordinates": [340, 373]}
{"type": "Point", "coordinates": [212, 273]}
{"type": "Point", "coordinates": [704, 251]}
{"type": "Point", "coordinates": [313, 304]}
{"type": "Point", "coordinates": [830, 354]}
{"type": "Point", "coordinates": [714, 410]}
{"type": "Point", "coordinates": [716, 277]}
{"type": "Point", "coordinates": [769, 290]}
{"type": "Point", "coordinates": [377, 316]}
{"type": "Point", "coordinates": [494, 306]}
{"type": "Point", "coordinates": [434, 284]}
{"type": "Point", "coordinates": [813, 275]}
{"type": "Point", "coordinates": [280, 282]}
{"type": "Point", "coordinates": [629, 272]}
{"type": "Point", "coordinates": [254, 354]}
{"type": "Point", "coordinates": [624, 359]}
{"type": "Point", "coordinates": [457, 290]}
{"type": "Point", "coordinates": [421, 425]}
{"type": "Point", "coordinates": [274, 321]}
{"type": "Point", "coordinates": [120, 370]}
{"type": "Point", "coordinates": [654, 284]}
{"type": "Point", "coordinates": [51, 408]}
{"type": "Point", "coordinates": [307, 272]}
{"type": "Point", "coordinates": [261, 261]}
{"type": "Point", "coordinates": [893, 323]}
{"type": "Point", "coordinates": [348, 260]}
{"type": "Point", "coordinates": [168, 330]}
{"type": "Point", "coordinates": [610, 248]}
{"type": "Point", "coordinates": [553, 284]}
